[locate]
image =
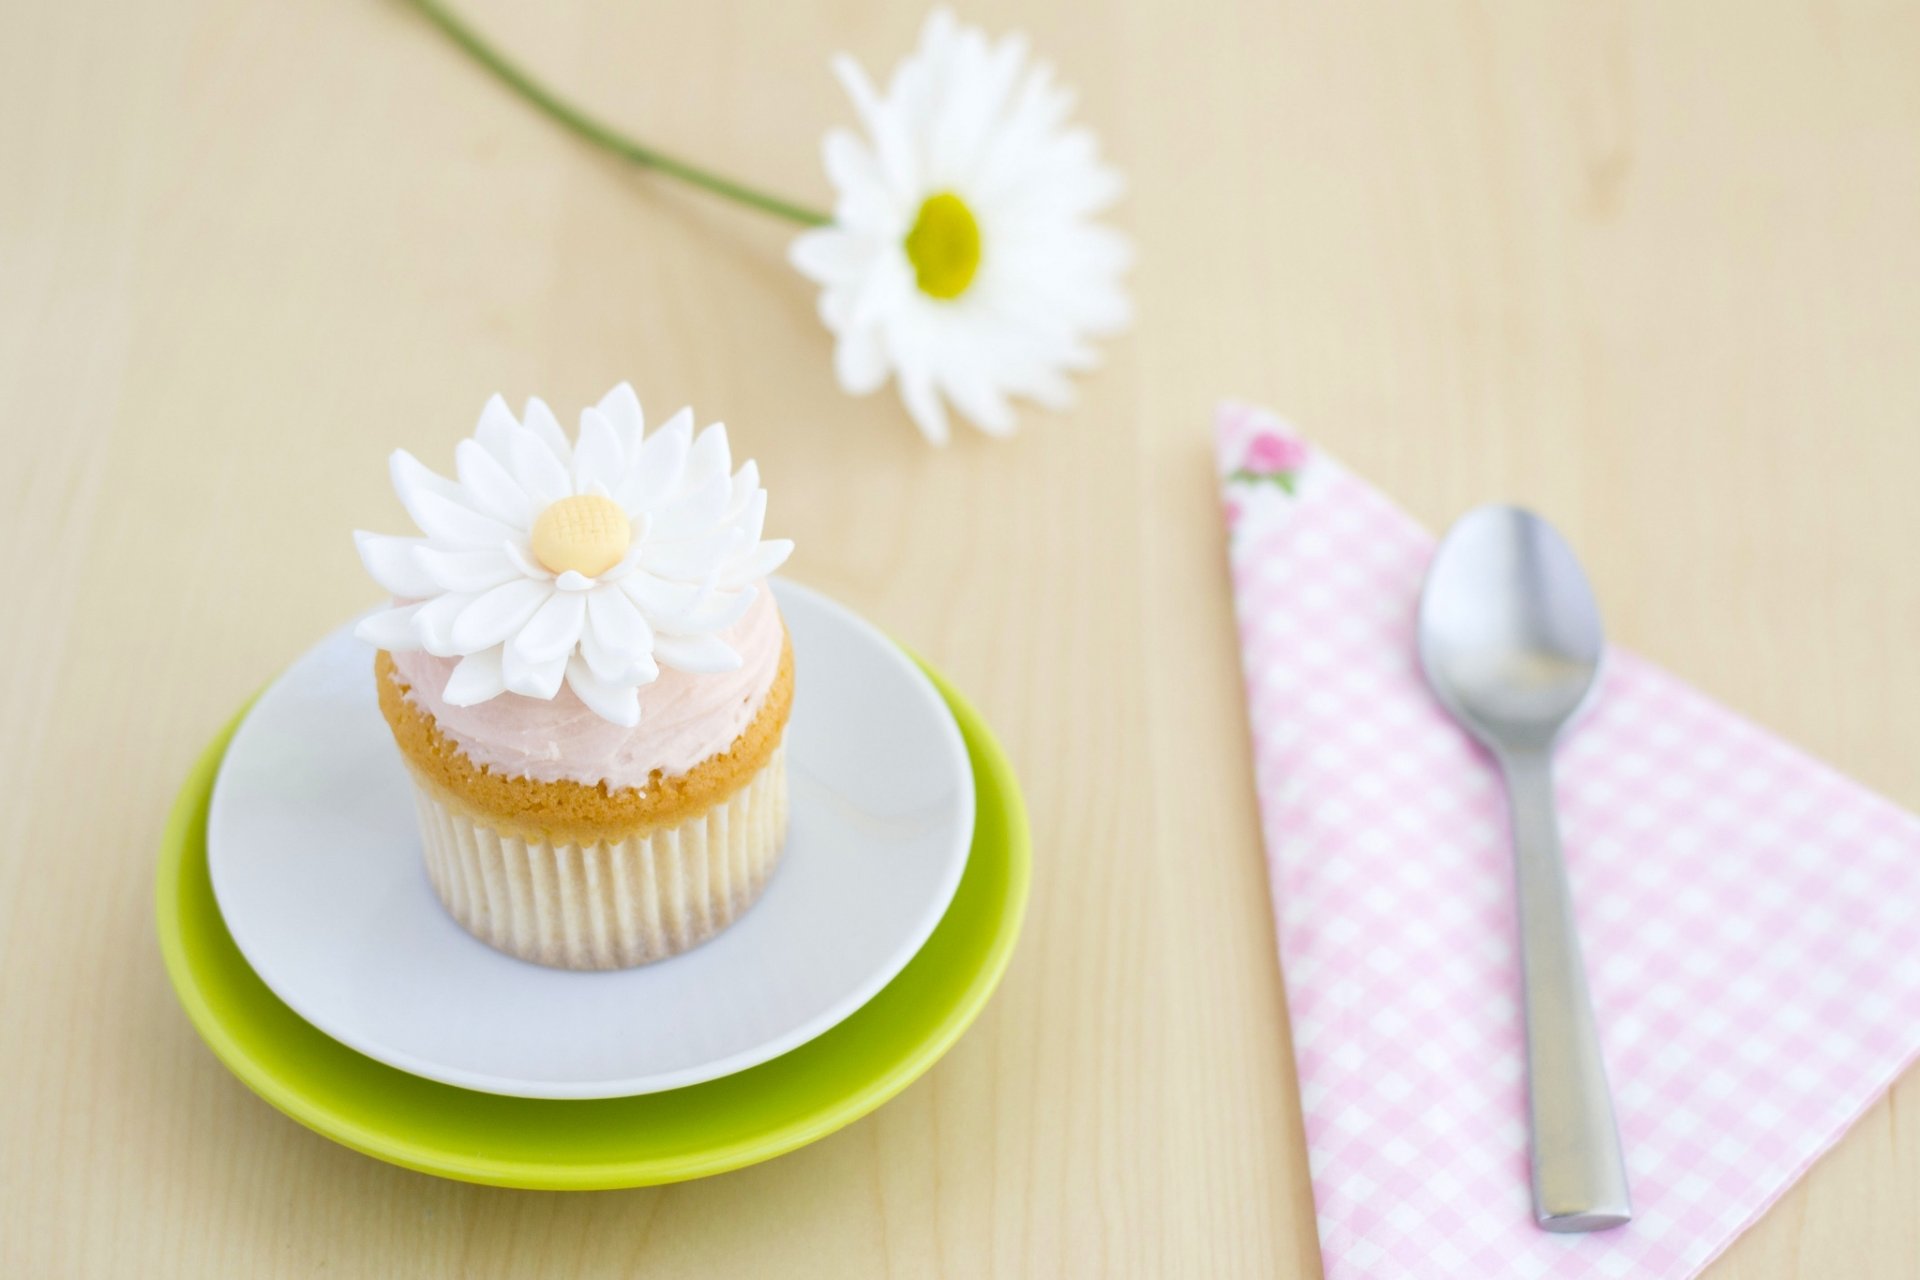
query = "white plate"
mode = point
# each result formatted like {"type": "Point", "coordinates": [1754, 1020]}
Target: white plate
{"type": "Point", "coordinates": [317, 868]}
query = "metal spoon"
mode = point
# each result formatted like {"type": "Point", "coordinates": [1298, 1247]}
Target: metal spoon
{"type": "Point", "coordinates": [1510, 640]}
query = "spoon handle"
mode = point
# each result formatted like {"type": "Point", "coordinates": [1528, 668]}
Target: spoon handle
{"type": "Point", "coordinates": [1579, 1176]}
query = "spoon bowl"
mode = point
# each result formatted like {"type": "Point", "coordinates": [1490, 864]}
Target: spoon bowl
{"type": "Point", "coordinates": [1510, 633]}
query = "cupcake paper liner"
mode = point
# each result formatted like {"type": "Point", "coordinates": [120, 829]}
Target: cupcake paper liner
{"type": "Point", "coordinates": [610, 904]}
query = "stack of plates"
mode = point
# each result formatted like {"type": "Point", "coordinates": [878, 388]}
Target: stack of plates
{"type": "Point", "coordinates": [308, 948]}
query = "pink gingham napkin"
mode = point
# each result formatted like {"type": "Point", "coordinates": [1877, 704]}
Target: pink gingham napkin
{"type": "Point", "coordinates": [1751, 919]}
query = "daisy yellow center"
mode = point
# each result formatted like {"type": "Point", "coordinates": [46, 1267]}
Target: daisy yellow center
{"type": "Point", "coordinates": [944, 246]}
{"type": "Point", "coordinates": [587, 533]}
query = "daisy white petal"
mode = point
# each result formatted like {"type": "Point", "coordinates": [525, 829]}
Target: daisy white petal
{"type": "Point", "coordinates": [860, 362]}
{"type": "Point", "coordinates": [553, 630]}
{"type": "Point", "coordinates": [696, 510]}
{"type": "Point", "coordinates": [662, 461]}
{"type": "Point", "coordinates": [389, 628]}
{"type": "Point", "coordinates": [886, 127]}
{"type": "Point", "coordinates": [433, 624]}
{"type": "Point", "coordinates": [726, 608]}
{"type": "Point", "coordinates": [532, 679]}
{"type": "Point", "coordinates": [661, 602]}
{"type": "Point", "coordinates": [709, 457]}
{"type": "Point", "coordinates": [496, 422]}
{"type": "Point", "coordinates": [476, 678]}
{"type": "Point", "coordinates": [698, 655]}
{"type": "Point", "coordinates": [539, 419]}
{"type": "Point", "coordinates": [394, 564]}
{"type": "Point", "coordinates": [745, 488]}
{"type": "Point", "coordinates": [522, 559]}
{"type": "Point", "coordinates": [750, 518]}
{"type": "Point", "coordinates": [687, 559]}
{"type": "Point", "coordinates": [466, 570]}
{"type": "Point", "coordinates": [616, 623]}
{"type": "Point", "coordinates": [455, 524]}
{"type": "Point", "coordinates": [826, 254]}
{"type": "Point", "coordinates": [756, 564]}
{"type": "Point", "coordinates": [618, 666]}
{"type": "Point", "coordinates": [598, 459]}
{"type": "Point", "coordinates": [542, 473]}
{"type": "Point", "coordinates": [492, 488]}
{"type": "Point", "coordinates": [498, 614]}
{"type": "Point", "coordinates": [411, 479]}
{"type": "Point", "coordinates": [619, 704]}
{"type": "Point", "coordinates": [621, 408]}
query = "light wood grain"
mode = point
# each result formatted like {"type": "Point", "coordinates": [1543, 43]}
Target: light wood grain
{"type": "Point", "coordinates": [1654, 268]}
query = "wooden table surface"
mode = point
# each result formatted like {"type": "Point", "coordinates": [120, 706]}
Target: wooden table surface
{"type": "Point", "coordinates": [1653, 268]}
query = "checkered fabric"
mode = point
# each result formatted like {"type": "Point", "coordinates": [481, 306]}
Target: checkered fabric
{"type": "Point", "coordinates": [1751, 919]}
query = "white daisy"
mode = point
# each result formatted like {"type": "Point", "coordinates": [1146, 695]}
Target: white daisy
{"type": "Point", "coordinates": [962, 258]}
{"type": "Point", "coordinates": [593, 562]}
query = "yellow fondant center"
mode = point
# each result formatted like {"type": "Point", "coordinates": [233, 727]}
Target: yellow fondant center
{"type": "Point", "coordinates": [944, 246]}
{"type": "Point", "coordinates": [587, 533]}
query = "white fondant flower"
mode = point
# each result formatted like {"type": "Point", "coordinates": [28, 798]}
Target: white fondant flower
{"type": "Point", "coordinates": [962, 258]}
{"type": "Point", "coordinates": [591, 563]}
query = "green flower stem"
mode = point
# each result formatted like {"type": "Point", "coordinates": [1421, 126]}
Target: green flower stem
{"type": "Point", "coordinates": [601, 135]}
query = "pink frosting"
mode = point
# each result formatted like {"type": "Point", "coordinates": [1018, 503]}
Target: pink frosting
{"type": "Point", "coordinates": [683, 718]}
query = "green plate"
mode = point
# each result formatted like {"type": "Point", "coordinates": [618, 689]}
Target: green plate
{"type": "Point", "coordinates": [707, 1128]}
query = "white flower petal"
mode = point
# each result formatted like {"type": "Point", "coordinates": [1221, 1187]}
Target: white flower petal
{"type": "Point", "coordinates": [498, 614]}
{"type": "Point", "coordinates": [697, 655]}
{"type": "Point", "coordinates": [490, 487]}
{"type": "Point", "coordinates": [433, 624]}
{"type": "Point", "coordinates": [923, 405]}
{"type": "Point", "coordinates": [694, 510]}
{"type": "Point", "coordinates": [717, 611]}
{"type": "Point", "coordinates": [891, 147]}
{"type": "Point", "coordinates": [496, 422]}
{"type": "Point", "coordinates": [756, 564]}
{"type": "Point", "coordinates": [619, 704]}
{"type": "Point", "coordinates": [602, 661]}
{"type": "Point", "coordinates": [851, 164]}
{"type": "Point", "coordinates": [690, 559]}
{"type": "Point", "coordinates": [598, 459]}
{"type": "Point", "coordinates": [709, 457]}
{"type": "Point", "coordinates": [553, 630]}
{"type": "Point", "coordinates": [663, 459]}
{"type": "Point", "coordinates": [616, 666]}
{"type": "Point", "coordinates": [617, 625]}
{"type": "Point", "coordinates": [660, 600]}
{"type": "Point", "coordinates": [522, 558]}
{"type": "Point", "coordinates": [860, 362]}
{"type": "Point", "coordinates": [532, 679]}
{"type": "Point", "coordinates": [477, 678]}
{"type": "Point", "coordinates": [621, 408]}
{"type": "Point", "coordinates": [466, 570]}
{"type": "Point", "coordinates": [454, 524]}
{"type": "Point", "coordinates": [827, 254]}
{"type": "Point", "coordinates": [966, 384]}
{"type": "Point", "coordinates": [746, 484]}
{"type": "Point", "coordinates": [394, 564]}
{"type": "Point", "coordinates": [543, 475]}
{"type": "Point", "coordinates": [540, 420]}
{"type": "Point", "coordinates": [411, 478]}
{"type": "Point", "coordinates": [749, 519]}
{"type": "Point", "coordinates": [390, 629]}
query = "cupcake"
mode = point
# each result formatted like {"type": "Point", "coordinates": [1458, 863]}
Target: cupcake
{"type": "Point", "coordinates": [589, 682]}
